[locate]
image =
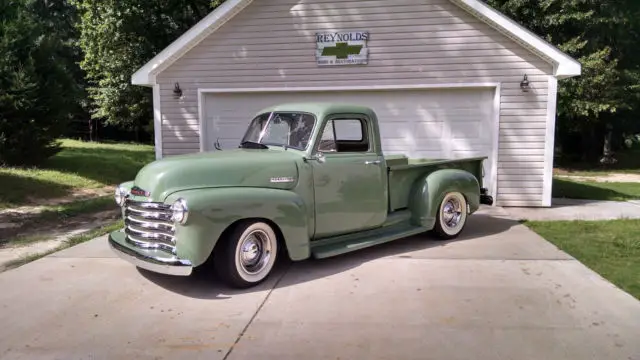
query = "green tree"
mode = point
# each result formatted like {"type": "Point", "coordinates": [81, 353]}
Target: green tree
{"type": "Point", "coordinates": [117, 38]}
{"type": "Point", "coordinates": [37, 93]}
{"type": "Point", "coordinates": [59, 17]}
{"type": "Point", "coordinates": [603, 36]}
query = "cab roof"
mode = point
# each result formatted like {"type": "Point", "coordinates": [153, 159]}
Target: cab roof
{"type": "Point", "coordinates": [321, 109]}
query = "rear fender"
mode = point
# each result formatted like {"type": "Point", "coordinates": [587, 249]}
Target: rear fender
{"type": "Point", "coordinates": [428, 192]}
{"type": "Point", "coordinates": [212, 211]}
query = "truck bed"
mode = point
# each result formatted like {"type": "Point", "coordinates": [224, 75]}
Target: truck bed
{"type": "Point", "coordinates": [402, 172]}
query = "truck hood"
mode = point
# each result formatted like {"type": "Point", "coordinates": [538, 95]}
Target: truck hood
{"type": "Point", "coordinates": [273, 168]}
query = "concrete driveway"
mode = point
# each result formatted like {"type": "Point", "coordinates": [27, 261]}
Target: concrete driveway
{"type": "Point", "coordinates": [499, 292]}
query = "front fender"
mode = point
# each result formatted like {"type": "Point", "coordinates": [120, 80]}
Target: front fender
{"type": "Point", "coordinates": [428, 192]}
{"type": "Point", "coordinates": [211, 211]}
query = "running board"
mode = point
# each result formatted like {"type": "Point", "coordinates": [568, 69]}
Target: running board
{"type": "Point", "coordinates": [347, 243]}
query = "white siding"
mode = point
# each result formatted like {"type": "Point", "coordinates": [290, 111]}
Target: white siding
{"type": "Point", "coordinates": [271, 43]}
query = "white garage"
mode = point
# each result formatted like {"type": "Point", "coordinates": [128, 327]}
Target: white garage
{"type": "Point", "coordinates": [447, 78]}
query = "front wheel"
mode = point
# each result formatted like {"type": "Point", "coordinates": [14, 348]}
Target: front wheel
{"type": "Point", "coordinates": [452, 216]}
{"type": "Point", "coordinates": [247, 255]}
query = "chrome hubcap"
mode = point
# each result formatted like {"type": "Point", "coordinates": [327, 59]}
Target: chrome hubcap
{"type": "Point", "coordinates": [452, 213]}
{"type": "Point", "coordinates": [255, 252]}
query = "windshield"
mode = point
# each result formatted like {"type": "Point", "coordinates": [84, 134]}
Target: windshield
{"type": "Point", "coordinates": [280, 128]}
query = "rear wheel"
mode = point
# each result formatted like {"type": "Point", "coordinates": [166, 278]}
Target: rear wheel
{"type": "Point", "coordinates": [247, 255]}
{"type": "Point", "coordinates": [451, 217]}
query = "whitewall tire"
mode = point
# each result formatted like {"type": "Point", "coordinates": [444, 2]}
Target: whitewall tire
{"type": "Point", "coordinates": [247, 255]}
{"type": "Point", "coordinates": [451, 217]}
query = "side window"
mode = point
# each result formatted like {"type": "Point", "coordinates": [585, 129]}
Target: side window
{"type": "Point", "coordinates": [348, 129]}
{"type": "Point", "coordinates": [344, 135]}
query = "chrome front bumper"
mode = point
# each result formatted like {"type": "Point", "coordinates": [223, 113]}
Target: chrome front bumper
{"type": "Point", "coordinates": [149, 260]}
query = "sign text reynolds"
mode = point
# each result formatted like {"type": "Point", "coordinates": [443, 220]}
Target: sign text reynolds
{"type": "Point", "coordinates": [342, 48]}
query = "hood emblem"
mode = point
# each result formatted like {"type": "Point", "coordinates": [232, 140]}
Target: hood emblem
{"type": "Point", "coordinates": [282, 179]}
{"type": "Point", "coordinates": [136, 191]}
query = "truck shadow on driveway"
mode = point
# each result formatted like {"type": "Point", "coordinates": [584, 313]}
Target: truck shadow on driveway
{"type": "Point", "coordinates": [203, 284]}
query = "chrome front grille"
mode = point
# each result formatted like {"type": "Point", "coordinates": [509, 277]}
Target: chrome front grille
{"type": "Point", "coordinates": [148, 225]}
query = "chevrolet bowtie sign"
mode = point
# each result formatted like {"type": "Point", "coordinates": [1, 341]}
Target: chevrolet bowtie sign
{"type": "Point", "coordinates": [342, 48]}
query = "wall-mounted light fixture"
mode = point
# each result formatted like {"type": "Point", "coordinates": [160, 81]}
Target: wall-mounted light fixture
{"type": "Point", "coordinates": [524, 84]}
{"type": "Point", "coordinates": [177, 92]}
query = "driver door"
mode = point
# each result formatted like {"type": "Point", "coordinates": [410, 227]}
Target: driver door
{"type": "Point", "coordinates": [350, 184]}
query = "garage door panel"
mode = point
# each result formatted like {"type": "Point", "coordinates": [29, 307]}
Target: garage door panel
{"type": "Point", "coordinates": [425, 154]}
{"type": "Point", "coordinates": [428, 145]}
{"type": "Point", "coordinates": [228, 143]}
{"type": "Point", "coordinates": [230, 128]}
{"type": "Point", "coordinates": [429, 130]}
{"type": "Point", "coordinates": [395, 149]}
{"type": "Point", "coordinates": [471, 145]}
{"type": "Point", "coordinates": [449, 116]}
{"type": "Point", "coordinates": [229, 131]}
{"type": "Point", "coordinates": [412, 152]}
{"type": "Point", "coordinates": [438, 123]}
{"type": "Point", "coordinates": [457, 154]}
{"type": "Point", "coordinates": [413, 144]}
{"type": "Point", "coordinates": [466, 130]}
{"type": "Point", "coordinates": [398, 130]}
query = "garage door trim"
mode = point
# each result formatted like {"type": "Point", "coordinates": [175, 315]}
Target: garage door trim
{"type": "Point", "coordinates": [496, 107]}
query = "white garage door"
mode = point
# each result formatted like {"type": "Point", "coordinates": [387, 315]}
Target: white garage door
{"type": "Point", "coordinates": [438, 123]}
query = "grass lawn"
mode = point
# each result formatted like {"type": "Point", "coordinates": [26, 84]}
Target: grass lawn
{"type": "Point", "coordinates": [80, 165]}
{"type": "Point", "coordinates": [594, 172]}
{"type": "Point", "coordinates": [592, 190]}
{"type": "Point", "coordinates": [610, 248]}
{"type": "Point", "coordinates": [628, 163]}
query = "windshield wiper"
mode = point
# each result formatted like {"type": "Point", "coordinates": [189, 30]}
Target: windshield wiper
{"type": "Point", "coordinates": [247, 144]}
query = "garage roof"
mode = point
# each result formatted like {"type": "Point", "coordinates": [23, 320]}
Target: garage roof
{"type": "Point", "coordinates": [564, 65]}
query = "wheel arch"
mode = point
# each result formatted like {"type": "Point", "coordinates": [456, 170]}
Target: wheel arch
{"type": "Point", "coordinates": [215, 212]}
{"type": "Point", "coordinates": [428, 192]}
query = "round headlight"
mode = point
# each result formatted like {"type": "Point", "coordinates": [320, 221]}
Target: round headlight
{"type": "Point", "coordinates": [180, 211]}
{"type": "Point", "coordinates": [120, 195]}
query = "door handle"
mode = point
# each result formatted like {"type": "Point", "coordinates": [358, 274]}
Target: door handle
{"type": "Point", "coordinates": [375, 162]}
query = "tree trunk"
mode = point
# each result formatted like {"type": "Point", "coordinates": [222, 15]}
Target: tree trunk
{"type": "Point", "coordinates": [607, 151]}
{"type": "Point", "coordinates": [90, 129]}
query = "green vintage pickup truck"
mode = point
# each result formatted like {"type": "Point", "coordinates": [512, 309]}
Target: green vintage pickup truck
{"type": "Point", "coordinates": [308, 180]}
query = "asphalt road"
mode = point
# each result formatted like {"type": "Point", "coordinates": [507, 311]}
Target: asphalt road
{"type": "Point", "coordinates": [499, 292]}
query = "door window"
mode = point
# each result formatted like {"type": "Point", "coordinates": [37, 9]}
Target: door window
{"type": "Point", "coordinates": [348, 129]}
{"type": "Point", "coordinates": [344, 135]}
